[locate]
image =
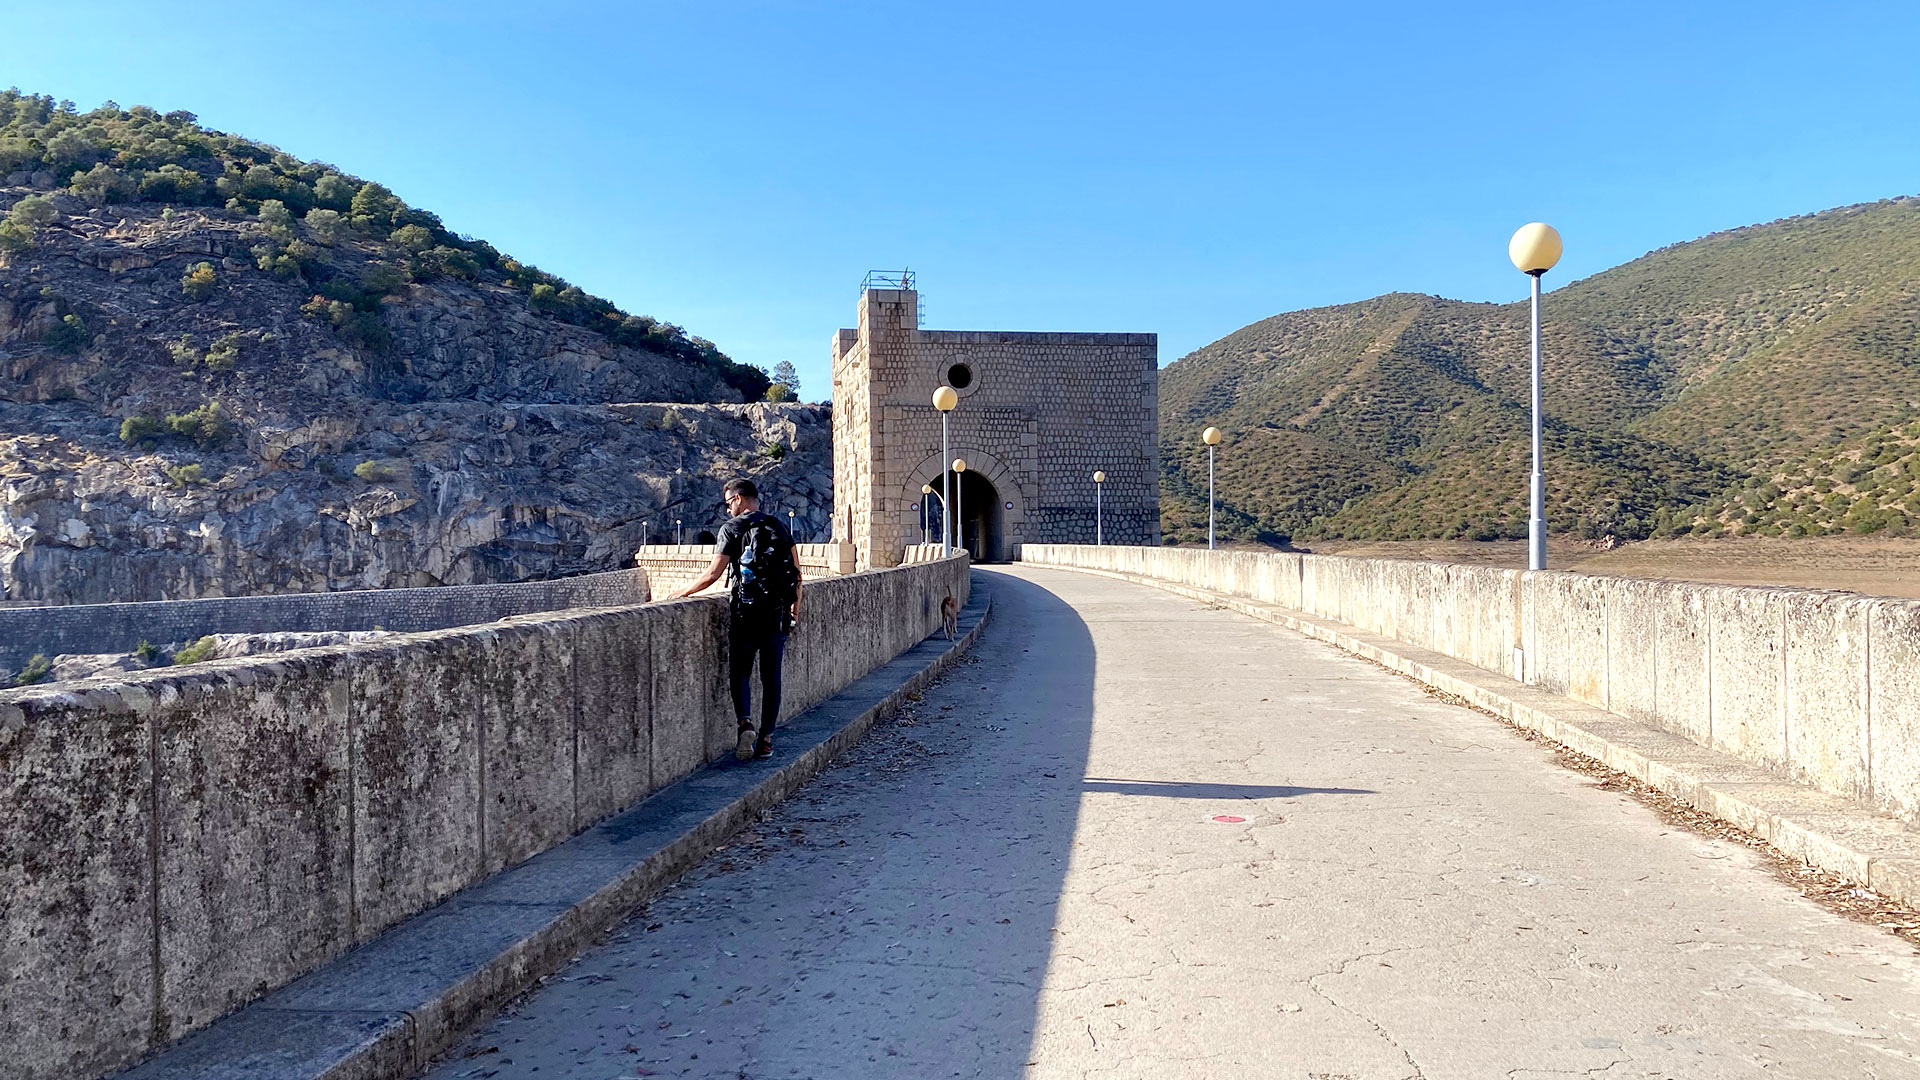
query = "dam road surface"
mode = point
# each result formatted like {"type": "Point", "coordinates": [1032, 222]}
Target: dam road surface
{"type": "Point", "coordinates": [1134, 836]}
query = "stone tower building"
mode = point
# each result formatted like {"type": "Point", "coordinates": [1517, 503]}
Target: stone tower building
{"type": "Point", "coordinates": [1039, 413]}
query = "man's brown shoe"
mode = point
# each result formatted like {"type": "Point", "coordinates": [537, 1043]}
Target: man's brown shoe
{"type": "Point", "coordinates": [743, 747]}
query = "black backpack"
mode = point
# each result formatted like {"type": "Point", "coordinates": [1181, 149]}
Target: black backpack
{"type": "Point", "coordinates": [765, 580]}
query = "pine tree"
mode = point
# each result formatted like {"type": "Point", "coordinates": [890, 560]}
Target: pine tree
{"type": "Point", "coordinates": [784, 374]}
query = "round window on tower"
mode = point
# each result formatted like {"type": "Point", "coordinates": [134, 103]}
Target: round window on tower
{"type": "Point", "coordinates": [959, 376]}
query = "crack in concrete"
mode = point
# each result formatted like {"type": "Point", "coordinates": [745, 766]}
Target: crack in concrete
{"type": "Point", "coordinates": [1313, 984]}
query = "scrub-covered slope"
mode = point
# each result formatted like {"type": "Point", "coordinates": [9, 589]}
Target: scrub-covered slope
{"type": "Point", "coordinates": [224, 370]}
{"type": "Point", "coordinates": [1672, 381]}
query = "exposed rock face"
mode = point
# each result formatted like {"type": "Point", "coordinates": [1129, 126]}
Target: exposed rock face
{"type": "Point", "coordinates": [475, 493]}
{"type": "Point", "coordinates": [488, 440]}
{"type": "Point", "coordinates": [68, 666]}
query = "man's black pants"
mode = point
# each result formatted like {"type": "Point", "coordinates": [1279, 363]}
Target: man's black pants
{"type": "Point", "coordinates": [745, 641]}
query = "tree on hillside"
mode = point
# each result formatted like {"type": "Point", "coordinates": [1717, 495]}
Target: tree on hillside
{"type": "Point", "coordinates": [785, 375]}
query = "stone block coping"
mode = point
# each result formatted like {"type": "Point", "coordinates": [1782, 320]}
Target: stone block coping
{"type": "Point", "coordinates": [383, 1010]}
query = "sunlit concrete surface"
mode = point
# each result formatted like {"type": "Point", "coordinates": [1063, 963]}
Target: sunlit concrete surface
{"type": "Point", "coordinates": [1041, 878]}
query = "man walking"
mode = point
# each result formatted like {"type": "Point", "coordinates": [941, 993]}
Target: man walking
{"type": "Point", "coordinates": [765, 597]}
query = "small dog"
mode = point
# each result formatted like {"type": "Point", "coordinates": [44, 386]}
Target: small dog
{"type": "Point", "coordinates": [950, 616]}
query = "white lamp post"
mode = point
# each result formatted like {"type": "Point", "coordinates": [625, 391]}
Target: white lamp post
{"type": "Point", "coordinates": [646, 533]}
{"type": "Point", "coordinates": [678, 537]}
{"type": "Point", "coordinates": [1211, 437]}
{"type": "Point", "coordinates": [926, 508]}
{"type": "Point", "coordinates": [1099, 478]}
{"type": "Point", "coordinates": [790, 525]}
{"type": "Point", "coordinates": [959, 505]}
{"type": "Point", "coordinates": [1534, 250]}
{"type": "Point", "coordinates": [944, 399]}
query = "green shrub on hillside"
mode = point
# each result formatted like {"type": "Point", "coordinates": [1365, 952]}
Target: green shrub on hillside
{"type": "Point", "coordinates": [206, 425]}
{"type": "Point", "coordinates": [325, 225]}
{"type": "Point", "coordinates": [224, 352]}
{"type": "Point", "coordinates": [14, 237]}
{"type": "Point", "coordinates": [198, 281]}
{"type": "Point", "coordinates": [137, 429]}
{"type": "Point", "coordinates": [277, 218]}
{"type": "Point", "coordinates": [103, 185]}
{"type": "Point", "coordinates": [356, 314]}
{"type": "Point", "coordinates": [22, 224]}
{"type": "Point", "coordinates": [34, 212]}
{"type": "Point", "coordinates": [37, 669]}
{"type": "Point", "coordinates": [203, 649]}
{"type": "Point", "coordinates": [67, 335]}
{"type": "Point", "coordinates": [414, 238]}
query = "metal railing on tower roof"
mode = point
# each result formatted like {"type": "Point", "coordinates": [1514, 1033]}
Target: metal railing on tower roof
{"type": "Point", "coordinates": [887, 279]}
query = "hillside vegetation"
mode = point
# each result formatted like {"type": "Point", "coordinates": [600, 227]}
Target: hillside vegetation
{"type": "Point", "coordinates": [301, 211]}
{"type": "Point", "coordinates": [227, 371]}
{"type": "Point", "coordinates": [1712, 386]}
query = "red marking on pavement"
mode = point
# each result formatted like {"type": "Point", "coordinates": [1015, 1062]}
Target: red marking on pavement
{"type": "Point", "coordinates": [1229, 819]}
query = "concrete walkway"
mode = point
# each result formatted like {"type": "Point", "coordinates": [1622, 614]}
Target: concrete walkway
{"type": "Point", "coordinates": [1137, 837]}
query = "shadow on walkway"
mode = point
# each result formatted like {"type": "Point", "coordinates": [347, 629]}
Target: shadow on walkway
{"type": "Point", "coordinates": [893, 918]}
{"type": "Point", "coordinates": [1180, 789]}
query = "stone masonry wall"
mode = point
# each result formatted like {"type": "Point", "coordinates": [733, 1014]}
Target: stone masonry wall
{"type": "Point", "coordinates": [671, 567]}
{"type": "Point", "coordinates": [176, 842]}
{"type": "Point", "coordinates": [1821, 687]}
{"type": "Point", "coordinates": [1041, 413]}
{"type": "Point", "coordinates": [102, 628]}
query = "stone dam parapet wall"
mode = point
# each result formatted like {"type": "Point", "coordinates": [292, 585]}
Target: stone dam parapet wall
{"type": "Point", "coordinates": [107, 628]}
{"type": "Point", "coordinates": [176, 842]}
{"type": "Point", "coordinates": [672, 567]}
{"type": "Point", "coordinates": [1820, 687]}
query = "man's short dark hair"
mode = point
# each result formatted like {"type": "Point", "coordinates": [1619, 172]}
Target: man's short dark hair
{"type": "Point", "coordinates": [742, 487]}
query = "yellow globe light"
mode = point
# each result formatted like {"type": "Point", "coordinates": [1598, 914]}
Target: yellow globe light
{"type": "Point", "coordinates": [926, 489]}
{"type": "Point", "coordinates": [945, 399]}
{"type": "Point", "coordinates": [1211, 436]}
{"type": "Point", "coordinates": [1535, 248]}
{"type": "Point", "coordinates": [1099, 478]}
{"type": "Point", "coordinates": [959, 464]}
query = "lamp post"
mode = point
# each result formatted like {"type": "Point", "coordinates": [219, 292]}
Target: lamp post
{"type": "Point", "coordinates": [944, 399]}
{"type": "Point", "coordinates": [1534, 250]}
{"type": "Point", "coordinates": [678, 539]}
{"type": "Point", "coordinates": [926, 508]}
{"type": "Point", "coordinates": [790, 525]}
{"type": "Point", "coordinates": [1211, 437]}
{"type": "Point", "coordinates": [959, 505]}
{"type": "Point", "coordinates": [646, 533]}
{"type": "Point", "coordinates": [1099, 478]}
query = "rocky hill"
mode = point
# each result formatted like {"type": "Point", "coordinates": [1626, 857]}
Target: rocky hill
{"type": "Point", "coordinates": [227, 371]}
{"type": "Point", "coordinates": [1676, 387]}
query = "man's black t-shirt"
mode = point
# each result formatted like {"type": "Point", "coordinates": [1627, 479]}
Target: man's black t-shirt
{"type": "Point", "coordinates": [732, 535]}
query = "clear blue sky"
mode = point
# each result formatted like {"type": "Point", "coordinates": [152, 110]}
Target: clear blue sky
{"type": "Point", "coordinates": [1180, 168]}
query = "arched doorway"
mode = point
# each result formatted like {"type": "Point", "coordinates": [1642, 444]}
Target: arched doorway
{"type": "Point", "coordinates": [982, 519]}
{"type": "Point", "coordinates": [990, 498]}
